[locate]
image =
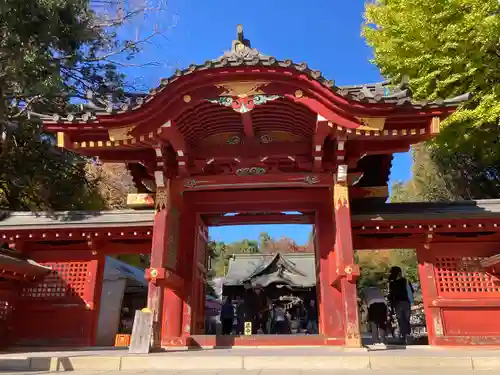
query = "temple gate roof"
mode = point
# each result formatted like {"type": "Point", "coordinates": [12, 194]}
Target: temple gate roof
{"type": "Point", "coordinates": [246, 112]}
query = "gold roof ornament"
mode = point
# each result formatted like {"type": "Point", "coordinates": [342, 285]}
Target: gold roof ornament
{"type": "Point", "coordinates": [372, 123]}
{"type": "Point", "coordinates": [242, 89]}
{"type": "Point", "coordinates": [120, 134]}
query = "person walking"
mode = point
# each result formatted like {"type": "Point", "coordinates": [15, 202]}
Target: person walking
{"type": "Point", "coordinates": [227, 316]}
{"type": "Point", "coordinates": [377, 313]}
{"type": "Point", "coordinates": [401, 298]}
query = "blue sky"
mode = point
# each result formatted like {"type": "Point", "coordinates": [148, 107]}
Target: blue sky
{"type": "Point", "coordinates": [323, 33]}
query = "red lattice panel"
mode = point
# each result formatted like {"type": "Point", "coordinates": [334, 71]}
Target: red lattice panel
{"type": "Point", "coordinates": [66, 280]}
{"type": "Point", "coordinates": [60, 309]}
{"type": "Point", "coordinates": [464, 275]}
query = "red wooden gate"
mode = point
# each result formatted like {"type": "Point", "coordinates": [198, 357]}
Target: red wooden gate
{"type": "Point", "coordinates": [61, 309]}
{"type": "Point", "coordinates": [199, 278]}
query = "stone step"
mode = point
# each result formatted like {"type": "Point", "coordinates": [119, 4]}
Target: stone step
{"type": "Point", "coordinates": [260, 359]}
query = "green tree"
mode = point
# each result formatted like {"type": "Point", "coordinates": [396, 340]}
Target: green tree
{"type": "Point", "coordinates": [375, 266]}
{"type": "Point", "coordinates": [428, 183]}
{"type": "Point", "coordinates": [448, 48]}
{"type": "Point", "coordinates": [244, 246]}
{"type": "Point", "coordinates": [53, 52]}
{"type": "Point", "coordinates": [35, 175]}
{"type": "Point", "coordinates": [217, 251]}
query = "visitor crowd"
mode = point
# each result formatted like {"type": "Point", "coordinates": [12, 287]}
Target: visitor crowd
{"type": "Point", "coordinates": [276, 317]}
{"type": "Point", "coordinates": [267, 316]}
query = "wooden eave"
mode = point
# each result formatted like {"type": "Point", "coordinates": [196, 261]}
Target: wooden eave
{"type": "Point", "coordinates": [14, 267]}
{"type": "Point", "coordinates": [182, 99]}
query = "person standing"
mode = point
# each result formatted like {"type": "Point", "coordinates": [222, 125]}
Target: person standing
{"type": "Point", "coordinates": [401, 298]}
{"type": "Point", "coordinates": [280, 320]}
{"type": "Point", "coordinates": [312, 318]}
{"type": "Point", "coordinates": [377, 313]}
{"type": "Point", "coordinates": [227, 316]}
{"type": "Point", "coordinates": [240, 317]}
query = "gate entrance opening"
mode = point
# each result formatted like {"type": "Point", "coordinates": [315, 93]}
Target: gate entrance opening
{"type": "Point", "coordinates": [270, 282]}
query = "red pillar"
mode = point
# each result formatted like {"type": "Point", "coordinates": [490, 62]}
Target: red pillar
{"type": "Point", "coordinates": [198, 288]}
{"type": "Point", "coordinates": [433, 318]}
{"type": "Point", "coordinates": [165, 297]}
{"type": "Point", "coordinates": [330, 302]}
{"type": "Point", "coordinates": [187, 265]}
{"type": "Point", "coordinates": [98, 282]}
{"type": "Point", "coordinates": [346, 272]}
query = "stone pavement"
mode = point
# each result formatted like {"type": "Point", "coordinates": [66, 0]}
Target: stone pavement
{"type": "Point", "coordinates": [263, 372]}
{"type": "Point", "coordinates": [253, 360]}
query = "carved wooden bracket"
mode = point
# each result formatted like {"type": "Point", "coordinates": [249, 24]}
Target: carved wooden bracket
{"type": "Point", "coordinates": [162, 276]}
{"type": "Point", "coordinates": [350, 271]}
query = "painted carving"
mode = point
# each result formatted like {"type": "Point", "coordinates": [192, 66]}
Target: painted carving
{"type": "Point", "coordinates": [253, 171]}
{"type": "Point", "coordinates": [120, 134]}
{"type": "Point", "coordinates": [140, 200]}
{"type": "Point", "coordinates": [222, 139]}
{"type": "Point", "coordinates": [234, 140]}
{"type": "Point", "coordinates": [372, 123]}
{"type": "Point", "coordinates": [340, 196]}
{"type": "Point", "coordinates": [161, 199]}
{"type": "Point", "coordinates": [243, 104]}
{"type": "Point", "coordinates": [266, 138]}
{"type": "Point", "coordinates": [190, 184]}
{"type": "Point", "coordinates": [311, 180]}
{"type": "Point", "coordinates": [242, 89]}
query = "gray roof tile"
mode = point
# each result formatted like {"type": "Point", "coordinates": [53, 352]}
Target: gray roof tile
{"type": "Point", "coordinates": [242, 54]}
{"type": "Point", "coordinates": [75, 219]}
{"type": "Point", "coordinates": [427, 211]}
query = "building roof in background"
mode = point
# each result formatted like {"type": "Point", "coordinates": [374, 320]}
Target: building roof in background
{"type": "Point", "coordinates": [294, 269]}
{"type": "Point", "coordinates": [115, 269]}
{"type": "Point", "coordinates": [430, 211]}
